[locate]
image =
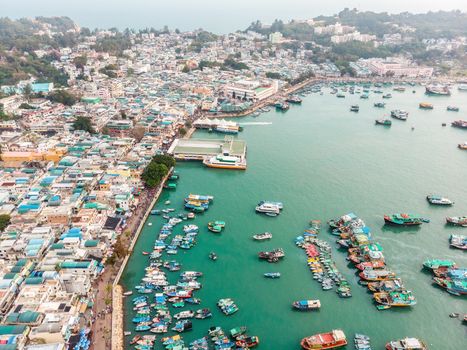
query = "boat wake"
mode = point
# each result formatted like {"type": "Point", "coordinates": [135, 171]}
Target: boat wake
{"type": "Point", "coordinates": [255, 123]}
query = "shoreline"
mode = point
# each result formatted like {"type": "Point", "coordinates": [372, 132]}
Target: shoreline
{"type": "Point", "coordinates": [117, 290]}
{"type": "Point", "coordinates": [291, 89]}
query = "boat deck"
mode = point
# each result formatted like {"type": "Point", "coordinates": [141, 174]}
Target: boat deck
{"type": "Point", "coordinates": [198, 149]}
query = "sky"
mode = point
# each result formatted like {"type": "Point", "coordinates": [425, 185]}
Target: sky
{"type": "Point", "coordinates": [219, 16]}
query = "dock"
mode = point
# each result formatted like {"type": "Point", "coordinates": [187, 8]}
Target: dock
{"type": "Point", "coordinates": [198, 149]}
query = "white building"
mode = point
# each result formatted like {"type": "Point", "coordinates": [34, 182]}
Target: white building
{"type": "Point", "coordinates": [355, 36]}
{"type": "Point", "coordinates": [397, 67]}
{"type": "Point", "coordinates": [252, 90]}
{"type": "Point", "coordinates": [276, 37]}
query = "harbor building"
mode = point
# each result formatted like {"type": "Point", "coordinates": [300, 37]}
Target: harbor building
{"type": "Point", "coordinates": [249, 90]}
{"type": "Point", "coordinates": [199, 149]}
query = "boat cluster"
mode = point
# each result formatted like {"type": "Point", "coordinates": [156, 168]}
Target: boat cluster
{"type": "Point", "coordinates": [227, 306]}
{"type": "Point", "coordinates": [238, 339]}
{"type": "Point", "coordinates": [198, 203]}
{"type": "Point", "coordinates": [448, 276]}
{"type": "Point", "coordinates": [320, 261]}
{"type": "Point", "coordinates": [362, 342]}
{"type": "Point", "coordinates": [368, 257]}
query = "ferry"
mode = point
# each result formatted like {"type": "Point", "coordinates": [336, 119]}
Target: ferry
{"type": "Point", "coordinates": [425, 105]}
{"type": "Point", "coordinates": [330, 340]}
{"type": "Point", "coordinates": [294, 99]}
{"type": "Point", "coordinates": [399, 114]}
{"type": "Point", "coordinates": [406, 344]}
{"type": "Point", "coordinates": [438, 200]}
{"type": "Point", "coordinates": [268, 209]}
{"type": "Point", "coordinates": [437, 90]}
{"type": "Point", "coordinates": [222, 161]}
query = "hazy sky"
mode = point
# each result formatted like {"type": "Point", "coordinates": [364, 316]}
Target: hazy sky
{"type": "Point", "coordinates": [214, 15]}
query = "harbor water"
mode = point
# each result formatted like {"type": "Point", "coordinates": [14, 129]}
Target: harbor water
{"type": "Point", "coordinates": [323, 161]}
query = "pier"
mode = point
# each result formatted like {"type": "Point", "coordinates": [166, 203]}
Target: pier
{"type": "Point", "coordinates": [198, 149]}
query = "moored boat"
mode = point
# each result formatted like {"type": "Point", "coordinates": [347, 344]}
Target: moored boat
{"type": "Point", "coordinates": [458, 241]}
{"type": "Point", "coordinates": [222, 161]}
{"type": "Point", "coordinates": [330, 340]}
{"type": "Point", "coordinates": [262, 236]}
{"type": "Point", "coordinates": [439, 200]}
{"type": "Point", "coordinates": [462, 145]}
{"type": "Point", "coordinates": [406, 344]}
{"type": "Point", "coordinates": [459, 124]}
{"type": "Point", "coordinates": [437, 89]}
{"type": "Point", "coordinates": [385, 122]}
{"type": "Point", "coordinates": [306, 304]}
{"type": "Point", "coordinates": [434, 264]}
{"type": "Point", "coordinates": [354, 108]}
{"type": "Point", "coordinates": [395, 298]}
{"type": "Point", "coordinates": [457, 220]}
{"type": "Point", "coordinates": [272, 275]}
{"type": "Point", "coordinates": [425, 105]}
{"type": "Point", "coordinates": [216, 226]}
{"type": "Point", "coordinates": [452, 108]}
{"type": "Point", "coordinates": [404, 219]}
{"type": "Point", "coordinates": [399, 114]}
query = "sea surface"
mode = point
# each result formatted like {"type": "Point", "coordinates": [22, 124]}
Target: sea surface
{"type": "Point", "coordinates": [323, 161]}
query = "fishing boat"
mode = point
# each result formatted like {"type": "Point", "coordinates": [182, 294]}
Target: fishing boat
{"type": "Point", "coordinates": [387, 96]}
{"type": "Point", "coordinates": [237, 331]}
{"type": "Point", "coordinates": [459, 124]}
{"type": "Point", "coordinates": [155, 212]}
{"type": "Point", "coordinates": [452, 108]}
{"type": "Point", "coordinates": [216, 226]}
{"type": "Point", "coordinates": [340, 95]}
{"type": "Point", "coordinates": [213, 256]}
{"type": "Point", "coordinates": [462, 145]}
{"type": "Point", "coordinates": [247, 342]}
{"type": "Point", "coordinates": [458, 241]}
{"type": "Point", "coordinates": [386, 285]}
{"type": "Point", "coordinates": [399, 88]}
{"type": "Point", "coordinates": [201, 314]}
{"type": "Point", "coordinates": [379, 104]}
{"type": "Point", "coordinates": [223, 161]}
{"type": "Point", "coordinates": [373, 264]}
{"type": "Point", "coordinates": [362, 342]}
{"type": "Point", "coordinates": [227, 306]}
{"type": "Point", "coordinates": [272, 275]}
{"type": "Point", "coordinates": [306, 304]}
{"type": "Point", "coordinates": [438, 200]}
{"type": "Point", "coordinates": [425, 105]}
{"type": "Point", "coordinates": [294, 99]}
{"type": "Point", "coordinates": [395, 298]}
{"type": "Point", "coordinates": [434, 264]}
{"type": "Point", "coordinates": [403, 219]}
{"type": "Point", "coordinates": [406, 344]}
{"type": "Point", "coordinates": [399, 114]}
{"type": "Point", "coordinates": [455, 286]}
{"type": "Point", "coordinates": [330, 340]}
{"type": "Point", "coordinates": [182, 326]}
{"type": "Point", "coordinates": [376, 275]}
{"type": "Point", "coordinates": [354, 108]}
{"type": "Point", "coordinates": [184, 314]}
{"type": "Point", "coordinates": [127, 293]}
{"type": "Point", "coordinates": [262, 236]}
{"type": "Point", "coordinates": [437, 89]}
{"type": "Point", "coordinates": [281, 106]}
{"type": "Point", "coordinates": [385, 122]}
{"type": "Point", "coordinates": [364, 96]}
{"type": "Point", "coordinates": [457, 220]}
{"type": "Point", "coordinates": [272, 256]}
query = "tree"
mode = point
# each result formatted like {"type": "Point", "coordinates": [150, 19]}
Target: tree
{"type": "Point", "coordinates": [182, 132]}
{"type": "Point", "coordinates": [4, 221]}
{"type": "Point", "coordinates": [168, 161]}
{"type": "Point", "coordinates": [80, 61]}
{"type": "Point", "coordinates": [27, 92]}
{"type": "Point", "coordinates": [138, 133]}
{"type": "Point", "coordinates": [25, 106]}
{"type": "Point", "coordinates": [63, 96]}
{"type": "Point", "coordinates": [153, 174]}
{"type": "Point", "coordinates": [83, 123]}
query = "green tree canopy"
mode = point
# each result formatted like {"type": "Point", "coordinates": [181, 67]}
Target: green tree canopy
{"type": "Point", "coordinates": [4, 221]}
{"type": "Point", "coordinates": [83, 123]}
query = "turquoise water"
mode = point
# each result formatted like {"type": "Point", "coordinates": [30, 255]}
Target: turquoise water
{"type": "Point", "coordinates": [323, 161]}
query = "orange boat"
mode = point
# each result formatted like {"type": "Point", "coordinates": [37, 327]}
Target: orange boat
{"type": "Point", "coordinates": [330, 340]}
